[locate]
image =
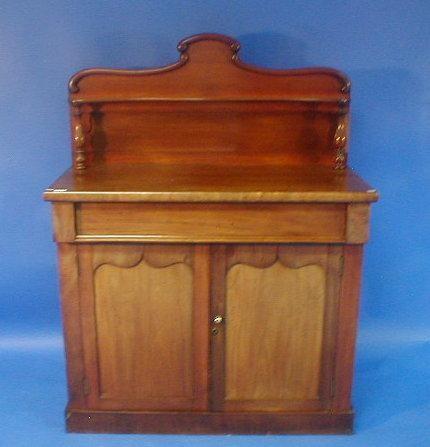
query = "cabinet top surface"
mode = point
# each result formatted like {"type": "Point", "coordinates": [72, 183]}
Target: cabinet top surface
{"type": "Point", "coordinates": [209, 183]}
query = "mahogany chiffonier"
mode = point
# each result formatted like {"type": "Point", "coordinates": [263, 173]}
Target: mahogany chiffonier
{"type": "Point", "coordinates": [210, 239]}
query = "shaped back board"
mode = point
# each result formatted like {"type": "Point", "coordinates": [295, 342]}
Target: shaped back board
{"type": "Point", "coordinates": [210, 108]}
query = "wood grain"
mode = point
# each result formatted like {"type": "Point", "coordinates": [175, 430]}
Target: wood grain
{"type": "Point", "coordinates": [200, 328]}
{"type": "Point", "coordinates": [357, 224]}
{"type": "Point", "coordinates": [72, 330]}
{"type": "Point", "coordinates": [348, 320]}
{"type": "Point", "coordinates": [274, 320]}
{"type": "Point", "coordinates": [217, 353]}
{"type": "Point", "coordinates": [212, 222]}
{"type": "Point", "coordinates": [86, 421]}
{"type": "Point", "coordinates": [275, 350]}
{"type": "Point", "coordinates": [215, 133]}
{"type": "Point", "coordinates": [210, 183]}
{"type": "Point", "coordinates": [63, 218]}
{"type": "Point", "coordinates": [145, 307]}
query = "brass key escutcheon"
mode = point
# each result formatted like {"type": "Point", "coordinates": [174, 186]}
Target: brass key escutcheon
{"type": "Point", "coordinates": [218, 319]}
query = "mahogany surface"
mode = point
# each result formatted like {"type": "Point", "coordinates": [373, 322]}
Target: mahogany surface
{"type": "Point", "coordinates": [210, 237]}
{"type": "Point", "coordinates": [191, 183]}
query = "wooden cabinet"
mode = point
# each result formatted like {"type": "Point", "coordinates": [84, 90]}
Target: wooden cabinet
{"type": "Point", "coordinates": [210, 239]}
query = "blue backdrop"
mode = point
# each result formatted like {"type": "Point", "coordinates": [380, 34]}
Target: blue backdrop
{"type": "Point", "coordinates": [384, 46]}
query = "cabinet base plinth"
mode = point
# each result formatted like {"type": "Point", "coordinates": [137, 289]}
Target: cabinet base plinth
{"type": "Point", "coordinates": [87, 421]}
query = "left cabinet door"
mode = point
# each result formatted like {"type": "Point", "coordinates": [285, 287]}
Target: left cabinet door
{"type": "Point", "coordinates": [144, 319]}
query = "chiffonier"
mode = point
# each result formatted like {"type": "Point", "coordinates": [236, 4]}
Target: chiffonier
{"type": "Point", "coordinates": [210, 238]}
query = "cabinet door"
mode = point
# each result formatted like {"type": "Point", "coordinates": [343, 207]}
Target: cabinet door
{"type": "Point", "coordinates": [273, 347]}
{"type": "Point", "coordinates": [145, 325]}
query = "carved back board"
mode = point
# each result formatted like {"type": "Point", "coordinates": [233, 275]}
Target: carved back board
{"type": "Point", "coordinates": [209, 107]}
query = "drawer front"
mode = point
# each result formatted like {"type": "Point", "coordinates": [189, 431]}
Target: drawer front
{"type": "Point", "coordinates": [211, 222]}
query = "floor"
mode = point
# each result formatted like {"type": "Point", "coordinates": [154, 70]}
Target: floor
{"type": "Point", "coordinates": [391, 396]}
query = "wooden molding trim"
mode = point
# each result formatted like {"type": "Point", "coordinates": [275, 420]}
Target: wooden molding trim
{"type": "Point", "coordinates": [187, 41]}
{"type": "Point", "coordinates": [203, 422]}
{"type": "Point", "coordinates": [56, 195]}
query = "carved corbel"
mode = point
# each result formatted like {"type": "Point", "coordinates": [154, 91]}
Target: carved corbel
{"type": "Point", "coordinates": [80, 138]}
{"type": "Point", "coordinates": [340, 142]}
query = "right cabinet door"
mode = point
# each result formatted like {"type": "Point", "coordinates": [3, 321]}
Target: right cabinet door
{"type": "Point", "coordinates": [273, 347]}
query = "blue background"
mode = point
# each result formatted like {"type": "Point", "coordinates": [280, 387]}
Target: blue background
{"type": "Point", "coordinates": [384, 46]}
